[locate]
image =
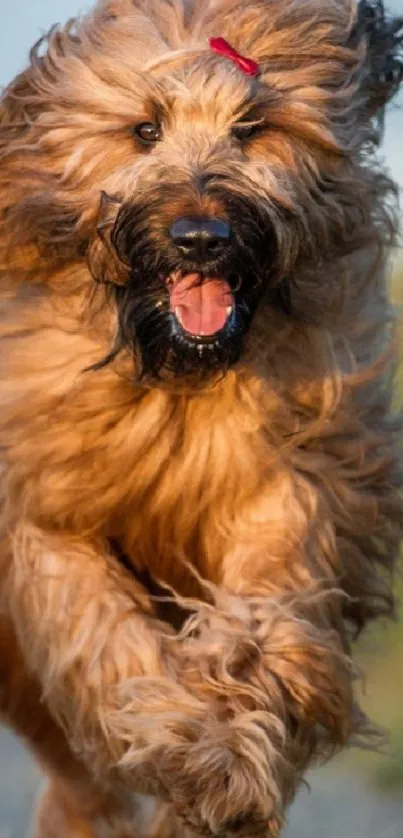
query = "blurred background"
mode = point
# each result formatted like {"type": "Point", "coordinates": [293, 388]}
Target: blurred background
{"type": "Point", "coordinates": [359, 795]}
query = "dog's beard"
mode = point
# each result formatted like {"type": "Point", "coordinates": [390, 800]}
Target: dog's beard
{"type": "Point", "coordinates": [150, 324]}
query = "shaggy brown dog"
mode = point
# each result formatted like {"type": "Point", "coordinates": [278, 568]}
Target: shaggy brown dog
{"type": "Point", "coordinates": [200, 470]}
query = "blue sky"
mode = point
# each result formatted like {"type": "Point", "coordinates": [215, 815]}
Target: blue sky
{"type": "Point", "coordinates": [23, 21]}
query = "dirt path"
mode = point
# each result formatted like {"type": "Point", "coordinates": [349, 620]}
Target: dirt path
{"type": "Point", "coordinates": [338, 806]}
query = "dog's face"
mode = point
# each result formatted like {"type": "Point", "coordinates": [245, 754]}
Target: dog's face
{"type": "Point", "coordinates": [193, 240]}
{"type": "Point", "coordinates": [197, 191]}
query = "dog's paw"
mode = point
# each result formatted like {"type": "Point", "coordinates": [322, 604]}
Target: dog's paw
{"type": "Point", "coordinates": [217, 649]}
{"type": "Point", "coordinates": [226, 781]}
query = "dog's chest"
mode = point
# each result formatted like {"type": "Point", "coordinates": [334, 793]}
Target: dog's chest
{"type": "Point", "coordinates": [183, 468]}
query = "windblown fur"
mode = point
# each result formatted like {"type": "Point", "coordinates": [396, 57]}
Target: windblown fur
{"type": "Point", "coordinates": [192, 532]}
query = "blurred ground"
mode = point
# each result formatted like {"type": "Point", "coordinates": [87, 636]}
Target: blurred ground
{"type": "Point", "coordinates": [338, 806]}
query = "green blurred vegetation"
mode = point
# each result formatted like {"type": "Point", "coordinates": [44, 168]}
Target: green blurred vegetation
{"type": "Point", "coordinates": [380, 652]}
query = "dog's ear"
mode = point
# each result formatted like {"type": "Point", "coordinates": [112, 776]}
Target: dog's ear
{"type": "Point", "coordinates": [382, 36]}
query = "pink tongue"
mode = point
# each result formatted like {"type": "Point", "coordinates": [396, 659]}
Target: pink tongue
{"type": "Point", "coordinates": [201, 307]}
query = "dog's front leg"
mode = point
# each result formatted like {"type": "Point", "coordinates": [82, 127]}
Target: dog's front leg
{"type": "Point", "coordinates": [275, 662]}
{"type": "Point", "coordinates": [117, 680]}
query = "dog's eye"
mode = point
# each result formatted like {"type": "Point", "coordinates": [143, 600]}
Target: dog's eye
{"type": "Point", "coordinates": [245, 130]}
{"type": "Point", "coordinates": [148, 132]}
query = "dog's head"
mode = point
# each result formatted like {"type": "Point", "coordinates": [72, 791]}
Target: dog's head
{"type": "Point", "coordinates": [200, 188]}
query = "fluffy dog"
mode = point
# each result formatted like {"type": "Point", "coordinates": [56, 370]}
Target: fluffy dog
{"type": "Point", "coordinates": [200, 490]}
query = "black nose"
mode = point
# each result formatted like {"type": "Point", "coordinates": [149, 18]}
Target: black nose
{"type": "Point", "coordinates": [201, 239]}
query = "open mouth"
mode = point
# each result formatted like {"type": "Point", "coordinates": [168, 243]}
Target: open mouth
{"type": "Point", "coordinates": [201, 305]}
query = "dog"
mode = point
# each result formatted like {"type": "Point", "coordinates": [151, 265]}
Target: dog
{"type": "Point", "coordinates": [200, 458]}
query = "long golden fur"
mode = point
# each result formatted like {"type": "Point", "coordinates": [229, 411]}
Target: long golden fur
{"type": "Point", "coordinates": [184, 562]}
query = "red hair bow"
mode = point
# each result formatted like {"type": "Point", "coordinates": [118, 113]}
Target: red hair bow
{"type": "Point", "coordinates": [247, 65]}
